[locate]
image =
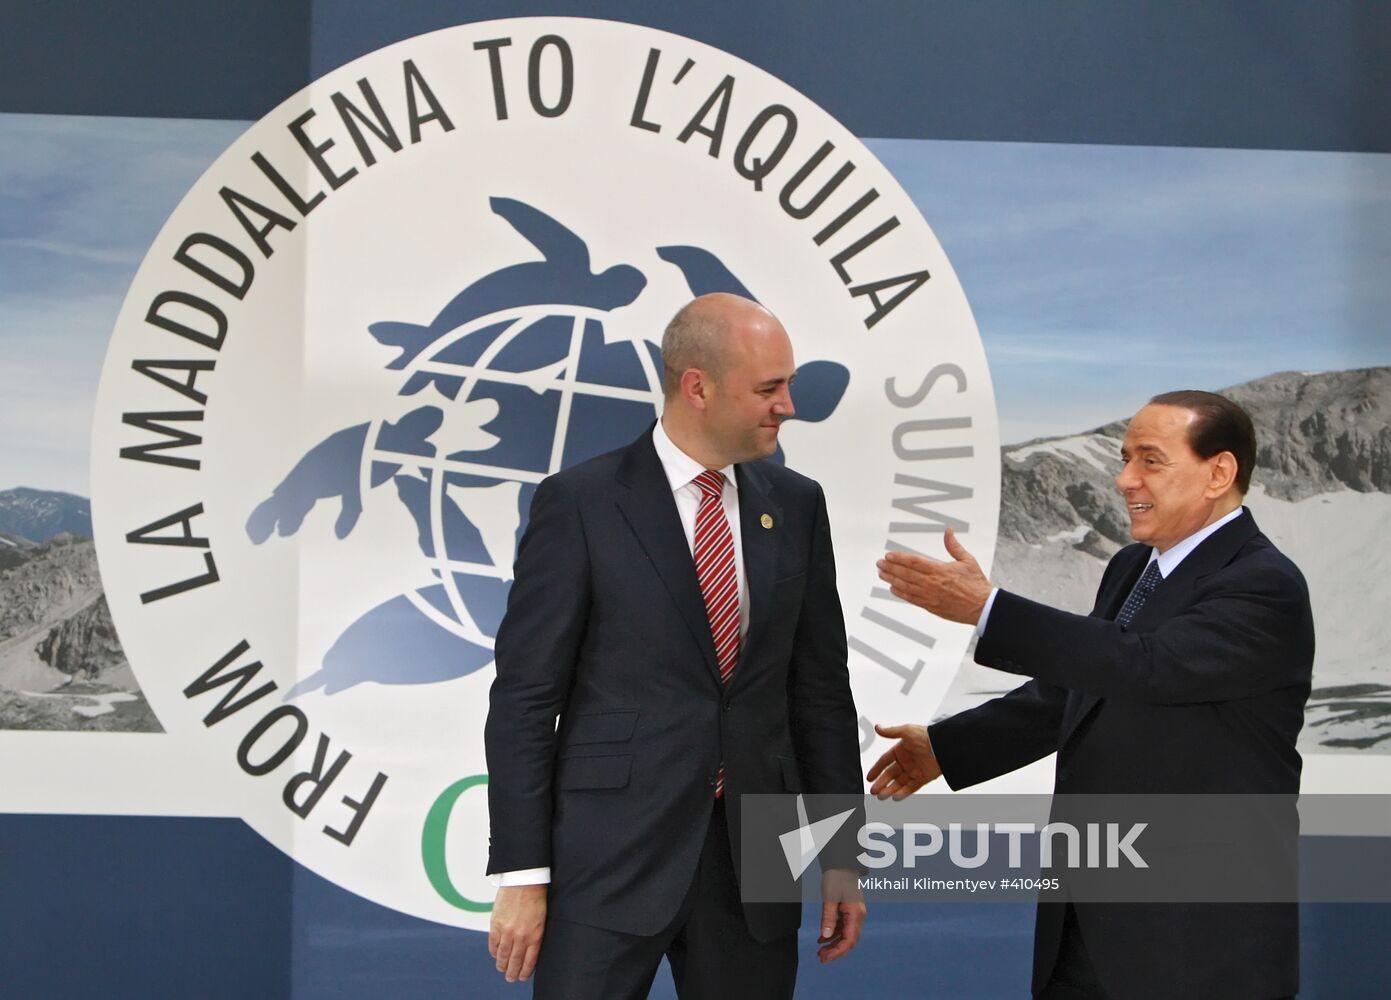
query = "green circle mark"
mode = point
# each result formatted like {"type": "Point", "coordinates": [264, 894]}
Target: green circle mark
{"type": "Point", "coordinates": [432, 845]}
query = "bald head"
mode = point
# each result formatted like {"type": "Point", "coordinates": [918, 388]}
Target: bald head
{"type": "Point", "coordinates": [699, 335]}
{"type": "Point", "coordinates": [728, 376]}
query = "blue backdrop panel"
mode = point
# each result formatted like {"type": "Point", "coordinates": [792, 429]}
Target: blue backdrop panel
{"type": "Point", "coordinates": [1283, 75]}
{"type": "Point", "coordinates": [102, 906]}
{"type": "Point", "coordinates": [141, 907]}
{"type": "Point", "coordinates": [153, 59]}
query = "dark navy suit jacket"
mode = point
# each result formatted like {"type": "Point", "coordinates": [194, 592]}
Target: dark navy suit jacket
{"type": "Point", "coordinates": [606, 631]}
{"type": "Point", "coordinates": [1204, 692]}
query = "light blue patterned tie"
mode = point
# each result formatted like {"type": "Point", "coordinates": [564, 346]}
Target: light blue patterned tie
{"type": "Point", "coordinates": [1150, 579]}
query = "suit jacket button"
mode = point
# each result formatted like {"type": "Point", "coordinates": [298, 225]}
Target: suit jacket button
{"type": "Point", "coordinates": [728, 705]}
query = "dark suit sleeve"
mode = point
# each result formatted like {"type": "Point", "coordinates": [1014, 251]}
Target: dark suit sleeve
{"type": "Point", "coordinates": [824, 724]}
{"type": "Point", "coordinates": [1000, 736]}
{"type": "Point", "coordinates": [536, 650]}
{"type": "Point", "coordinates": [1245, 633]}
{"type": "Point", "coordinates": [1011, 731]}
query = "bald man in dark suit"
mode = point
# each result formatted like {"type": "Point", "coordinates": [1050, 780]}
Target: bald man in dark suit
{"type": "Point", "coordinates": [673, 640]}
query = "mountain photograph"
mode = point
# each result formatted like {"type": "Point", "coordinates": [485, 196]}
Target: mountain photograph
{"type": "Point", "coordinates": [61, 664]}
{"type": "Point", "coordinates": [1321, 491]}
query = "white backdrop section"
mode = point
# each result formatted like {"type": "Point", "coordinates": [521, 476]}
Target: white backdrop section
{"type": "Point", "coordinates": [121, 775]}
{"type": "Point", "coordinates": [910, 446]}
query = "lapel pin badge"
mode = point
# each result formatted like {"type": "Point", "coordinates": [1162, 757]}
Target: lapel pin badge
{"type": "Point", "coordinates": [766, 520]}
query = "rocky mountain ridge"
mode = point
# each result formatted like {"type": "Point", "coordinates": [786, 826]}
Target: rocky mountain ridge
{"type": "Point", "coordinates": [61, 663]}
{"type": "Point", "coordinates": [1316, 433]}
{"type": "Point", "coordinates": [56, 580]}
{"type": "Point", "coordinates": [14, 549]}
{"type": "Point", "coordinates": [39, 515]}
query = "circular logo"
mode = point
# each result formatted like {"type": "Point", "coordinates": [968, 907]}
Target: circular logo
{"type": "Point", "coordinates": [406, 296]}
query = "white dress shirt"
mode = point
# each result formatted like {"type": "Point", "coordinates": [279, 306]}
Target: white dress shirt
{"type": "Point", "coordinates": [681, 470]}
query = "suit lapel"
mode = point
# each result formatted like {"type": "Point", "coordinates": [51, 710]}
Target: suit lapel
{"type": "Point", "coordinates": [760, 545]}
{"type": "Point", "coordinates": [1212, 554]}
{"type": "Point", "coordinates": [1108, 605]}
{"type": "Point", "coordinates": [647, 505]}
{"type": "Point", "coordinates": [1169, 597]}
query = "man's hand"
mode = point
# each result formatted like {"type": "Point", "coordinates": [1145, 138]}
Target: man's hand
{"type": "Point", "coordinates": [906, 766]}
{"type": "Point", "coordinates": [514, 934]}
{"type": "Point", "coordinates": [955, 590]}
{"type": "Point", "coordinates": [842, 913]}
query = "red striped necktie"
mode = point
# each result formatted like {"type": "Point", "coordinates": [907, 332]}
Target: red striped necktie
{"type": "Point", "coordinates": [718, 576]}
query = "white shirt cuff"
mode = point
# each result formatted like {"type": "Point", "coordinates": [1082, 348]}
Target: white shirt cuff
{"type": "Point", "coordinates": [985, 611]}
{"type": "Point", "coordinates": [524, 876]}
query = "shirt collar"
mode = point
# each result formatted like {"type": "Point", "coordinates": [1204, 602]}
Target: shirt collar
{"type": "Point", "coordinates": [679, 467]}
{"type": "Point", "coordinates": [1169, 560]}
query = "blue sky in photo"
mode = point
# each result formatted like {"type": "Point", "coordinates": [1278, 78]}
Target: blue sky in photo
{"type": "Point", "coordinates": [81, 199]}
{"type": "Point", "coordinates": [1099, 275]}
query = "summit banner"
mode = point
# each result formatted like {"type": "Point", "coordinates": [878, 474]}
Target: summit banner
{"type": "Point", "coordinates": [401, 300]}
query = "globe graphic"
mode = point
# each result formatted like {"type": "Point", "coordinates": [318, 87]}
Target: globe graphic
{"type": "Point", "coordinates": [532, 390]}
{"type": "Point", "coordinates": [511, 387]}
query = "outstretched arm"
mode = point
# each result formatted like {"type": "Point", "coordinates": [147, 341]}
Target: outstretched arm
{"type": "Point", "coordinates": [906, 766]}
{"type": "Point", "coordinates": [955, 589]}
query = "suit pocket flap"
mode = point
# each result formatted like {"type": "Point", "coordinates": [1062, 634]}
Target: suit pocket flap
{"type": "Point", "coordinates": [602, 727]}
{"type": "Point", "coordinates": [595, 772]}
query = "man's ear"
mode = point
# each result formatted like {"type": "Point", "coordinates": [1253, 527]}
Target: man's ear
{"type": "Point", "coordinates": [695, 388]}
{"type": "Point", "coordinates": [1221, 474]}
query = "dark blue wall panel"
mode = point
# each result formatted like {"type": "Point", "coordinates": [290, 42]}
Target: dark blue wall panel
{"type": "Point", "coordinates": [139, 907]}
{"type": "Point", "coordinates": [1282, 74]}
{"type": "Point", "coordinates": [106, 906]}
{"type": "Point", "coordinates": [152, 58]}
